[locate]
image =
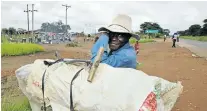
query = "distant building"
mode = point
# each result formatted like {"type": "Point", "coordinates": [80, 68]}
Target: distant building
{"type": "Point", "coordinates": [30, 32]}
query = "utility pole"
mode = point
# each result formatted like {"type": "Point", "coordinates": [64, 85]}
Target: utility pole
{"type": "Point", "coordinates": [27, 16]}
{"type": "Point", "coordinates": [33, 19]}
{"type": "Point", "coordinates": [66, 7]}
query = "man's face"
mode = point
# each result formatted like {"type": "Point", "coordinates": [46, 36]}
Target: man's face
{"type": "Point", "coordinates": [117, 40]}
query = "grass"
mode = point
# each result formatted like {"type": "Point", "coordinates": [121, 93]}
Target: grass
{"type": "Point", "coordinates": [198, 38]}
{"type": "Point", "coordinates": [13, 104]}
{"type": "Point", "coordinates": [133, 40]}
{"type": "Point", "coordinates": [17, 37]}
{"type": "Point", "coordinates": [139, 66]}
{"type": "Point", "coordinates": [146, 40]}
{"type": "Point", "coordinates": [12, 98]}
{"type": "Point", "coordinates": [72, 44]}
{"type": "Point", "coordinates": [15, 49]}
{"type": "Point", "coordinates": [4, 39]}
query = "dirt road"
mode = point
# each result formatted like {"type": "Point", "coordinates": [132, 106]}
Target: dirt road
{"type": "Point", "coordinates": [177, 64]}
{"type": "Point", "coordinates": [158, 59]}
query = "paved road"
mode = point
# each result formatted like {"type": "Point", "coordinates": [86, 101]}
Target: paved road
{"type": "Point", "coordinates": [197, 47]}
{"type": "Point", "coordinates": [195, 43]}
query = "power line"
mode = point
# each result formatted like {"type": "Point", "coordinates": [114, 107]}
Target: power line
{"type": "Point", "coordinates": [66, 8]}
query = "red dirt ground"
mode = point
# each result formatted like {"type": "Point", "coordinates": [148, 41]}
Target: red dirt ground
{"type": "Point", "coordinates": [158, 59]}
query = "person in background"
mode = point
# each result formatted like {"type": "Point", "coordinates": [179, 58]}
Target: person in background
{"type": "Point", "coordinates": [165, 38]}
{"type": "Point", "coordinates": [96, 38]}
{"type": "Point", "coordinates": [174, 38]}
{"type": "Point", "coordinates": [136, 47]}
{"type": "Point", "coordinates": [115, 40]}
{"type": "Point", "coordinates": [178, 37]}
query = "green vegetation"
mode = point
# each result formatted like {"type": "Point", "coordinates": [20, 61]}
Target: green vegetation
{"type": "Point", "coordinates": [139, 65]}
{"type": "Point", "coordinates": [12, 98]}
{"type": "Point", "coordinates": [195, 30]}
{"type": "Point", "coordinates": [73, 44]}
{"type": "Point", "coordinates": [146, 40]}
{"type": "Point", "coordinates": [13, 104]}
{"type": "Point", "coordinates": [198, 38]}
{"type": "Point", "coordinates": [153, 26]}
{"type": "Point", "coordinates": [15, 38]}
{"type": "Point", "coordinates": [133, 40]}
{"type": "Point", "coordinates": [4, 39]}
{"type": "Point", "coordinates": [14, 49]}
{"type": "Point", "coordinates": [56, 27]}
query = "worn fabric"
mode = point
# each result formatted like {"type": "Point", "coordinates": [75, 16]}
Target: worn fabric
{"type": "Point", "coordinates": [108, 92]}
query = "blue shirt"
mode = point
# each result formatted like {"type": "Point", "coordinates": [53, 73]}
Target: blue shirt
{"type": "Point", "coordinates": [123, 57]}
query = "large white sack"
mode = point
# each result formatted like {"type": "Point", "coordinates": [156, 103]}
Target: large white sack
{"type": "Point", "coordinates": [113, 89]}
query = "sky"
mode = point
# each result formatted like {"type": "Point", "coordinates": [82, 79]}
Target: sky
{"type": "Point", "coordinates": [88, 16]}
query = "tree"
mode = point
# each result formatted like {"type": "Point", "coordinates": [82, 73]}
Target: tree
{"type": "Point", "coordinates": [155, 26]}
{"type": "Point", "coordinates": [21, 30]}
{"type": "Point", "coordinates": [187, 32]}
{"type": "Point", "coordinates": [205, 21]}
{"type": "Point", "coordinates": [12, 30]}
{"type": "Point", "coordinates": [194, 29]}
{"type": "Point", "coordinates": [57, 27]}
{"type": "Point", "coordinates": [65, 28]}
{"type": "Point", "coordinates": [150, 26]}
{"type": "Point", "coordinates": [204, 28]}
{"type": "Point", "coordinates": [44, 26]}
{"type": "Point", "coordinates": [4, 31]}
{"type": "Point", "coordinates": [181, 33]}
{"type": "Point", "coordinates": [166, 32]}
{"type": "Point", "coordinates": [184, 33]}
{"type": "Point", "coordinates": [146, 26]}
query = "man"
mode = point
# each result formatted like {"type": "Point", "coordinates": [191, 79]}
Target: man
{"type": "Point", "coordinates": [165, 37]}
{"type": "Point", "coordinates": [178, 37]}
{"type": "Point", "coordinates": [174, 38]}
{"type": "Point", "coordinates": [115, 40]}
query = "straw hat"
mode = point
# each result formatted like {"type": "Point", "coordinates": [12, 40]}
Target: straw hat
{"type": "Point", "coordinates": [121, 24]}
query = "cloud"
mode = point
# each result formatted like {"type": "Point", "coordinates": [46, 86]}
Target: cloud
{"type": "Point", "coordinates": [92, 15]}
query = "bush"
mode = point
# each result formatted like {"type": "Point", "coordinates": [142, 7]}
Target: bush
{"type": "Point", "coordinates": [158, 35]}
{"type": "Point", "coordinates": [72, 44]}
{"type": "Point", "coordinates": [14, 49]}
{"type": "Point", "coordinates": [16, 38]}
{"type": "Point", "coordinates": [133, 40]}
{"type": "Point", "coordinates": [4, 39]}
{"type": "Point", "coordinates": [198, 38]}
{"type": "Point", "coordinates": [146, 40]}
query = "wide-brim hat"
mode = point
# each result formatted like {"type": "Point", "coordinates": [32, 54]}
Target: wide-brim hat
{"type": "Point", "coordinates": [121, 24]}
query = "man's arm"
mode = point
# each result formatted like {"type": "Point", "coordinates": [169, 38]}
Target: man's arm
{"type": "Point", "coordinates": [101, 42]}
{"type": "Point", "coordinates": [117, 60]}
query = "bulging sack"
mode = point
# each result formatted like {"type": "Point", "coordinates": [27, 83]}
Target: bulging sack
{"type": "Point", "coordinates": [112, 89]}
